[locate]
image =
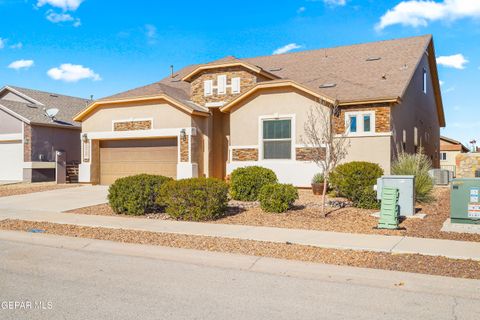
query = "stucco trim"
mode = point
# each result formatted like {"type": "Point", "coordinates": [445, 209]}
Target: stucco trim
{"type": "Point", "coordinates": [161, 97]}
{"type": "Point", "coordinates": [102, 135]}
{"type": "Point", "coordinates": [11, 137]}
{"type": "Point", "coordinates": [246, 65]}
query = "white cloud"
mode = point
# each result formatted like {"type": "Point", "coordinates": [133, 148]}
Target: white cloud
{"type": "Point", "coordinates": [72, 73]}
{"type": "Point", "coordinates": [335, 2]}
{"type": "Point", "coordinates": [65, 5]}
{"type": "Point", "coordinates": [287, 48]}
{"type": "Point", "coordinates": [17, 45]}
{"type": "Point", "coordinates": [2, 43]}
{"type": "Point", "coordinates": [418, 13]}
{"type": "Point", "coordinates": [441, 82]}
{"type": "Point", "coordinates": [301, 10]}
{"type": "Point", "coordinates": [456, 61]}
{"type": "Point", "coordinates": [62, 17]}
{"type": "Point", "coordinates": [21, 64]}
{"type": "Point", "coordinates": [151, 33]}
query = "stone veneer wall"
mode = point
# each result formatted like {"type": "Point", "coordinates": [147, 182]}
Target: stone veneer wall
{"type": "Point", "coordinates": [27, 143]}
{"type": "Point", "coordinates": [132, 125]}
{"type": "Point", "coordinates": [307, 154]}
{"type": "Point", "coordinates": [247, 80]}
{"type": "Point", "coordinates": [467, 164]}
{"type": "Point", "coordinates": [382, 117]}
{"type": "Point", "coordinates": [246, 154]}
{"type": "Point", "coordinates": [184, 149]}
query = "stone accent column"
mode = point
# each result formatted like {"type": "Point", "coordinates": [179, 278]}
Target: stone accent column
{"type": "Point", "coordinates": [184, 149]}
{"type": "Point", "coordinates": [308, 153]}
{"type": "Point", "coordinates": [27, 143]}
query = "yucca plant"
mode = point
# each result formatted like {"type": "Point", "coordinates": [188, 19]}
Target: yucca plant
{"type": "Point", "coordinates": [417, 164]}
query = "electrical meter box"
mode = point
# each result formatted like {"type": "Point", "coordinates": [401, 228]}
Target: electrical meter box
{"type": "Point", "coordinates": [406, 188]}
{"type": "Point", "coordinates": [465, 200]}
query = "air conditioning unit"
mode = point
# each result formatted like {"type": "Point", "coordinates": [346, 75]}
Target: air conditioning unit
{"type": "Point", "coordinates": [440, 176]}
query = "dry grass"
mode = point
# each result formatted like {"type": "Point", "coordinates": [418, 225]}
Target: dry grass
{"type": "Point", "coordinates": [306, 215]}
{"type": "Point", "coordinates": [24, 188]}
{"type": "Point", "coordinates": [400, 262]}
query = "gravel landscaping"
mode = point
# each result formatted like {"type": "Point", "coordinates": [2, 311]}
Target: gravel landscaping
{"type": "Point", "coordinates": [399, 262]}
{"type": "Point", "coordinates": [24, 188]}
{"type": "Point", "coordinates": [306, 215]}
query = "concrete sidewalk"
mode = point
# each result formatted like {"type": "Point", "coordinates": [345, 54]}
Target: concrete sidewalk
{"type": "Point", "coordinates": [324, 239]}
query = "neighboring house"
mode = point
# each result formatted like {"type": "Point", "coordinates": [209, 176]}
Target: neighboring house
{"type": "Point", "coordinates": [29, 138]}
{"type": "Point", "coordinates": [208, 119]}
{"type": "Point", "coordinates": [449, 149]}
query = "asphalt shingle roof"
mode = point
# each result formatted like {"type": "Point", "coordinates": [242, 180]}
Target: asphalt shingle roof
{"type": "Point", "coordinates": [68, 107]}
{"type": "Point", "coordinates": [355, 70]}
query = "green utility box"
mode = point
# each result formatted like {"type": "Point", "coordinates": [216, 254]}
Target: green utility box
{"type": "Point", "coordinates": [389, 209]}
{"type": "Point", "coordinates": [465, 201]}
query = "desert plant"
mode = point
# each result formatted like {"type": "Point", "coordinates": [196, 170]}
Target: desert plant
{"type": "Point", "coordinates": [418, 165]}
{"type": "Point", "coordinates": [245, 183]}
{"type": "Point", "coordinates": [318, 178]}
{"type": "Point", "coordinates": [195, 199]}
{"type": "Point", "coordinates": [136, 195]}
{"type": "Point", "coordinates": [277, 197]}
{"type": "Point", "coordinates": [355, 181]}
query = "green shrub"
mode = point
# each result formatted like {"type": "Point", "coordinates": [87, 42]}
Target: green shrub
{"type": "Point", "coordinates": [318, 178]}
{"type": "Point", "coordinates": [277, 197]}
{"type": "Point", "coordinates": [355, 181]}
{"type": "Point", "coordinates": [136, 195]}
{"type": "Point", "coordinates": [417, 164]}
{"type": "Point", "coordinates": [195, 199]}
{"type": "Point", "coordinates": [245, 183]}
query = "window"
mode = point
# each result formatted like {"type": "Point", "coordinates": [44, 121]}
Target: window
{"type": "Point", "coordinates": [222, 84]}
{"type": "Point", "coordinates": [235, 85]}
{"type": "Point", "coordinates": [443, 156]}
{"type": "Point", "coordinates": [207, 88]}
{"type": "Point", "coordinates": [277, 139]}
{"type": "Point", "coordinates": [360, 122]}
{"type": "Point", "coordinates": [424, 80]}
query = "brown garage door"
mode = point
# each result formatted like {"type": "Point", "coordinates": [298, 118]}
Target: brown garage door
{"type": "Point", "coordinates": [121, 158]}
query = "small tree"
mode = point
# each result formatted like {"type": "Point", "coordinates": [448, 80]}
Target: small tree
{"type": "Point", "coordinates": [329, 148]}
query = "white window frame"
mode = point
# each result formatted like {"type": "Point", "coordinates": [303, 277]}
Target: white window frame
{"type": "Point", "coordinates": [235, 85]}
{"type": "Point", "coordinates": [206, 92]}
{"type": "Point", "coordinates": [222, 84]}
{"type": "Point", "coordinates": [424, 80]}
{"type": "Point", "coordinates": [443, 156]}
{"type": "Point", "coordinates": [359, 115]}
{"type": "Point", "coordinates": [292, 139]}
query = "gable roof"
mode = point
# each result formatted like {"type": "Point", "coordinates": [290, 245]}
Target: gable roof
{"type": "Point", "coordinates": [354, 74]}
{"type": "Point", "coordinates": [454, 142]}
{"type": "Point", "coordinates": [34, 113]}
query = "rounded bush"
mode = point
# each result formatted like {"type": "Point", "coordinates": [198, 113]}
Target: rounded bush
{"type": "Point", "coordinates": [245, 183]}
{"type": "Point", "coordinates": [277, 197]}
{"type": "Point", "coordinates": [136, 195]}
{"type": "Point", "coordinates": [355, 181]}
{"type": "Point", "coordinates": [195, 199]}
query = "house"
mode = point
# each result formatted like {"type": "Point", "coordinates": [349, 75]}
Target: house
{"type": "Point", "coordinates": [449, 149]}
{"type": "Point", "coordinates": [208, 119]}
{"type": "Point", "coordinates": [29, 138]}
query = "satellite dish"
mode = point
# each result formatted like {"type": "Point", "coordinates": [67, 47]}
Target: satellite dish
{"type": "Point", "coordinates": [51, 113]}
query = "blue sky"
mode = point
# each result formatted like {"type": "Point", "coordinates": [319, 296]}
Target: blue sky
{"type": "Point", "coordinates": [94, 47]}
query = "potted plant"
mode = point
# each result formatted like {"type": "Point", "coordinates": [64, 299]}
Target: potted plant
{"type": "Point", "coordinates": [318, 181]}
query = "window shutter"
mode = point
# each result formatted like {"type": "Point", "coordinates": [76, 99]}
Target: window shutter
{"type": "Point", "coordinates": [222, 84]}
{"type": "Point", "coordinates": [235, 85]}
{"type": "Point", "coordinates": [207, 87]}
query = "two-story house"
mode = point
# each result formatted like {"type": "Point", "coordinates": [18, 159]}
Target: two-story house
{"type": "Point", "coordinates": [208, 119]}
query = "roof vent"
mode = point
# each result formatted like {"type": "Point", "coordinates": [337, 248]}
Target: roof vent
{"type": "Point", "coordinates": [275, 69]}
{"type": "Point", "coordinates": [176, 80]}
{"type": "Point", "coordinates": [327, 85]}
{"type": "Point", "coordinates": [33, 106]}
{"type": "Point", "coordinates": [373, 58]}
{"type": "Point", "coordinates": [53, 96]}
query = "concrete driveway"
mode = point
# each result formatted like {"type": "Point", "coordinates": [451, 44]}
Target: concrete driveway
{"type": "Point", "coordinates": [57, 200]}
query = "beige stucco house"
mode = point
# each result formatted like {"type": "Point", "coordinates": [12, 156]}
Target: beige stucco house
{"type": "Point", "coordinates": [449, 149]}
{"type": "Point", "coordinates": [208, 119]}
{"type": "Point", "coordinates": [34, 125]}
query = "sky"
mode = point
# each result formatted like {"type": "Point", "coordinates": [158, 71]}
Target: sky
{"type": "Point", "coordinates": [94, 47]}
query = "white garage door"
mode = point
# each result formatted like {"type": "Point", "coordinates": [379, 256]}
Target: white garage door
{"type": "Point", "coordinates": [11, 161]}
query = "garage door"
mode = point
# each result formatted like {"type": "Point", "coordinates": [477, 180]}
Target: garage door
{"type": "Point", "coordinates": [122, 158]}
{"type": "Point", "coordinates": [11, 161]}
